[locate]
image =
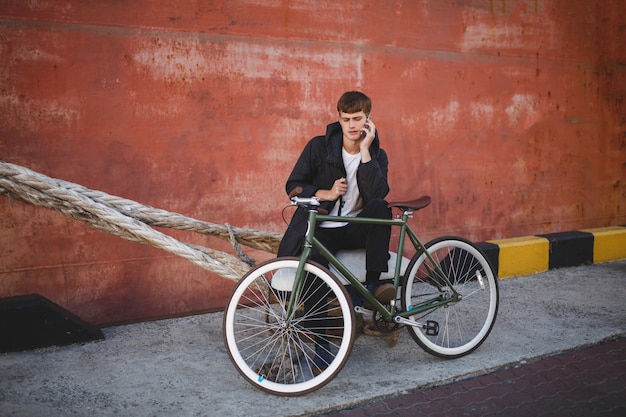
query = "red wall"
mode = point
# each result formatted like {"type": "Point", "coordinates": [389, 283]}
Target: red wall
{"type": "Point", "coordinates": [510, 113]}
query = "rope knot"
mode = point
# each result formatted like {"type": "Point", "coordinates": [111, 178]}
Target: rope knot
{"type": "Point", "coordinates": [233, 241]}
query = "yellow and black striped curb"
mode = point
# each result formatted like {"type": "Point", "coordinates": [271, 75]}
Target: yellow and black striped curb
{"type": "Point", "coordinates": [532, 254]}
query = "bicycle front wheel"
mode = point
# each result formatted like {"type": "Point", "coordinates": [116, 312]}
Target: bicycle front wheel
{"type": "Point", "coordinates": [457, 328]}
{"type": "Point", "coordinates": [288, 342]}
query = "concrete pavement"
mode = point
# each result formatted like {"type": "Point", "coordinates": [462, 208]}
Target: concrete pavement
{"type": "Point", "coordinates": [179, 367]}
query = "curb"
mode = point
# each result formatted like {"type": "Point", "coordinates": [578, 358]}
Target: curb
{"type": "Point", "coordinates": [532, 254]}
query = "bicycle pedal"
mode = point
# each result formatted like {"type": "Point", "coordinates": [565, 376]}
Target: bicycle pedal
{"type": "Point", "coordinates": [432, 328]}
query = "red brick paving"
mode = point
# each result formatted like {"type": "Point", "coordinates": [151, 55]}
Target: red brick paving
{"type": "Point", "coordinates": [586, 382]}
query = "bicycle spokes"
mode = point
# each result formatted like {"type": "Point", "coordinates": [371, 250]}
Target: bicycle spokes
{"type": "Point", "coordinates": [454, 314]}
{"type": "Point", "coordinates": [288, 342]}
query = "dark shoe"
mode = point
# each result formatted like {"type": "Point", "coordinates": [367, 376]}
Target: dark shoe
{"type": "Point", "coordinates": [322, 359]}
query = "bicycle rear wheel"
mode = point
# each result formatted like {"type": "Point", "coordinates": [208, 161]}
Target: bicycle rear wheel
{"type": "Point", "coordinates": [288, 354]}
{"type": "Point", "coordinates": [457, 328]}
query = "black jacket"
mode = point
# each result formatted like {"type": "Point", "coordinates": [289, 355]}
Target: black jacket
{"type": "Point", "coordinates": [319, 165]}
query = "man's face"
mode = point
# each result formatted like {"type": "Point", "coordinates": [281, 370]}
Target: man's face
{"type": "Point", "coordinates": [352, 124]}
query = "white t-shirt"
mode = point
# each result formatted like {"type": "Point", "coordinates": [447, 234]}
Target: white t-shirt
{"type": "Point", "coordinates": [351, 202]}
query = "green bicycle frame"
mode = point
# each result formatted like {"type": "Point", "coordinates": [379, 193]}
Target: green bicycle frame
{"type": "Point", "coordinates": [312, 242]}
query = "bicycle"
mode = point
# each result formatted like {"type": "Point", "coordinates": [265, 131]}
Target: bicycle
{"type": "Point", "coordinates": [289, 326]}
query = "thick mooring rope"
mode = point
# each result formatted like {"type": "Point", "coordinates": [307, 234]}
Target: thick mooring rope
{"type": "Point", "coordinates": [132, 221]}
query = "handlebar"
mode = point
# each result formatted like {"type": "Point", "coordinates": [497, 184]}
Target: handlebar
{"type": "Point", "coordinates": [302, 201]}
{"type": "Point", "coordinates": [305, 201]}
{"type": "Point", "coordinates": [313, 202]}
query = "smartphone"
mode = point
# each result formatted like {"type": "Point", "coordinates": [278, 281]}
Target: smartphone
{"type": "Point", "coordinates": [363, 132]}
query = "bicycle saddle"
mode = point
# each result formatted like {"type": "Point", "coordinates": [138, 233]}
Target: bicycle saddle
{"type": "Point", "coordinates": [414, 205]}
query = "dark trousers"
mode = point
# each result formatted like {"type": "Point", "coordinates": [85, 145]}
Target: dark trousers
{"type": "Point", "coordinates": [374, 238]}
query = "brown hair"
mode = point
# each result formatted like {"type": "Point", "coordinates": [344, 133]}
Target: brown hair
{"type": "Point", "coordinates": [354, 102]}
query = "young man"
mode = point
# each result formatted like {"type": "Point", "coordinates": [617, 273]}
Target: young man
{"type": "Point", "coordinates": [347, 169]}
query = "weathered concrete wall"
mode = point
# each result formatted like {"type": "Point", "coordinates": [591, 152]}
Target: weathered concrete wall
{"type": "Point", "coordinates": [510, 113]}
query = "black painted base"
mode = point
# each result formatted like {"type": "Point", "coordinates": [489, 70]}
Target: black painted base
{"type": "Point", "coordinates": [32, 321]}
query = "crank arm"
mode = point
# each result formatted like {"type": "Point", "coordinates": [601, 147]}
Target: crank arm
{"type": "Point", "coordinates": [362, 310]}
